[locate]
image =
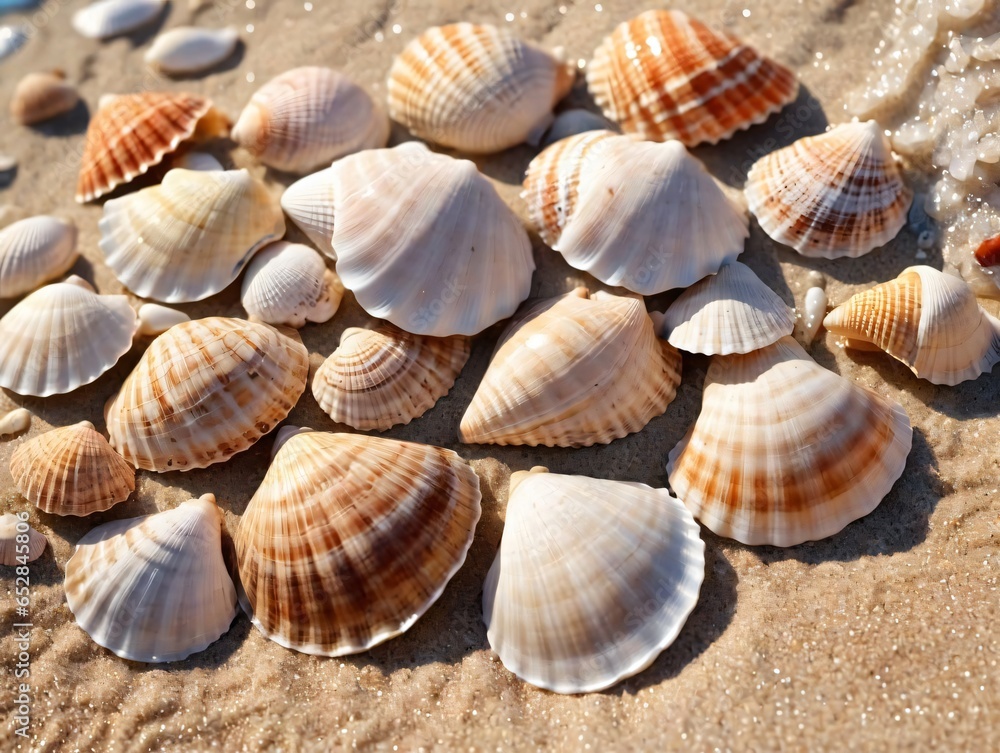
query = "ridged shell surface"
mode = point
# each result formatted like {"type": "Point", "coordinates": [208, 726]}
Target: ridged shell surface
{"type": "Point", "coordinates": [573, 371]}
{"type": "Point", "coordinates": [155, 588]}
{"type": "Point", "coordinates": [111, 18]}
{"type": "Point", "coordinates": [593, 579]}
{"type": "Point", "coordinates": [11, 550]}
{"type": "Point", "coordinates": [205, 390]}
{"type": "Point", "coordinates": [288, 283]}
{"type": "Point", "coordinates": [832, 195]}
{"type": "Point", "coordinates": [785, 451]}
{"type": "Point", "coordinates": [477, 88]}
{"type": "Point", "coordinates": [664, 75]}
{"type": "Point", "coordinates": [350, 539]}
{"type": "Point", "coordinates": [33, 251]}
{"type": "Point", "coordinates": [187, 49]}
{"type": "Point", "coordinates": [40, 96]}
{"type": "Point", "coordinates": [382, 377]}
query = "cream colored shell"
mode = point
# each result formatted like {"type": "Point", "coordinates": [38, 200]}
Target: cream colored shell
{"type": "Point", "coordinates": [288, 283]}
{"type": "Point", "coordinates": [41, 96]}
{"type": "Point", "coordinates": [14, 552]}
{"type": "Point", "coordinates": [110, 18]}
{"type": "Point", "coordinates": [188, 49]}
{"type": "Point", "coordinates": [33, 251]}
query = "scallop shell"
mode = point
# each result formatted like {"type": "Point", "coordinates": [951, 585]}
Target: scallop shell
{"type": "Point", "coordinates": [730, 312]}
{"type": "Point", "coordinates": [382, 377]}
{"type": "Point", "coordinates": [664, 75]}
{"type": "Point", "coordinates": [593, 579]}
{"type": "Point", "coordinates": [205, 390]}
{"type": "Point", "coordinates": [785, 451]}
{"type": "Point", "coordinates": [666, 230]}
{"type": "Point", "coordinates": [40, 96]}
{"type": "Point", "coordinates": [288, 283]}
{"type": "Point", "coordinates": [155, 588]}
{"type": "Point", "coordinates": [423, 240]}
{"type": "Point", "coordinates": [13, 552]}
{"type": "Point", "coordinates": [832, 195]}
{"type": "Point", "coordinates": [111, 18]}
{"type": "Point", "coordinates": [476, 88]}
{"type": "Point", "coordinates": [573, 371]}
{"type": "Point", "coordinates": [190, 236]}
{"type": "Point", "coordinates": [34, 251]}
{"type": "Point", "coordinates": [350, 539]}
{"type": "Point", "coordinates": [308, 117]}
{"type": "Point", "coordinates": [187, 49]}
{"type": "Point", "coordinates": [929, 320]}
{"type": "Point", "coordinates": [71, 471]}
{"type": "Point", "coordinates": [63, 336]}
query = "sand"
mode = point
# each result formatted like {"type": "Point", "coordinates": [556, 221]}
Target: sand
{"type": "Point", "coordinates": [880, 638]}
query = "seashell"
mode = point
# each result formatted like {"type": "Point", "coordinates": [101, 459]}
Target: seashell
{"type": "Point", "coordinates": [197, 161]}
{"type": "Point", "coordinates": [667, 230]}
{"type": "Point", "coordinates": [573, 123]}
{"type": "Point", "coordinates": [15, 421]}
{"type": "Point", "coordinates": [130, 133]}
{"type": "Point", "coordinates": [288, 283]}
{"type": "Point", "coordinates": [71, 471]}
{"type": "Point", "coordinates": [63, 336]}
{"type": "Point", "coordinates": [186, 49]}
{"type": "Point", "coordinates": [573, 371]}
{"type": "Point", "coordinates": [477, 88]}
{"type": "Point", "coordinates": [8, 171]}
{"type": "Point", "coordinates": [154, 588]}
{"type": "Point", "coordinates": [785, 451]}
{"type": "Point", "coordinates": [422, 240]}
{"type": "Point", "coordinates": [34, 251]}
{"type": "Point", "coordinates": [730, 312]}
{"type": "Point", "coordinates": [205, 390]}
{"type": "Point", "coordinates": [815, 311]}
{"type": "Point", "coordinates": [111, 18]}
{"type": "Point", "coordinates": [190, 236]}
{"type": "Point", "coordinates": [664, 75]}
{"type": "Point", "coordinates": [308, 117]}
{"type": "Point", "coordinates": [14, 552]}
{"type": "Point", "coordinates": [13, 37]}
{"type": "Point", "coordinates": [832, 195]}
{"type": "Point", "coordinates": [382, 377]}
{"type": "Point", "coordinates": [351, 538]}
{"type": "Point", "coordinates": [40, 96]}
{"type": "Point", "coordinates": [930, 321]}
{"type": "Point", "coordinates": [155, 319]}
{"type": "Point", "coordinates": [592, 581]}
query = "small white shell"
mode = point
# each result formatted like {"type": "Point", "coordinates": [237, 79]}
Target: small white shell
{"type": "Point", "coordinates": [13, 552]}
{"type": "Point", "coordinates": [109, 18]}
{"type": "Point", "coordinates": [573, 123]}
{"type": "Point", "coordinates": [34, 251]}
{"type": "Point", "coordinates": [15, 421]}
{"type": "Point", "coordinates": [12, 38]}
{"type": "Point", "coordinates": [288, 283]}
{"type": "Point", "coordinates": [815, 310]}
{"type": "Point", "coordinates": [187, 49]}
{"type": "Point", "coordinates": [155, 319]}
{"type": "Point", "coordinates": [202, 161]}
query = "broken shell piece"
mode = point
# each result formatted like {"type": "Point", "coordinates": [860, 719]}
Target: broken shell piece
{"type": "Point", "coordinates": [14, 552]}
{"type": "Point", "coordinates": [111, 18]}
{"type": "Point", "coordinates": [155, 319]}
{"type": "Point", "coordinates": [288, 283]}
{"type": "Point", "coordinates": [187, 49]}
{"type": "Point", "coordinates": [34, 251]}
{"type": "Point", "coordinates": [40, 96]}
{"type": "Point", "coordinates": [15, 421]}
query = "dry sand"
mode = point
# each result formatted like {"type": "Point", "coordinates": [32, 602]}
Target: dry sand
{"type": "Point", "coordinates": [881, 638]}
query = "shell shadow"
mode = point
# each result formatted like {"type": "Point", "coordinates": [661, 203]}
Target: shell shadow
{"type": "Point", "coordinates": [70, 123]}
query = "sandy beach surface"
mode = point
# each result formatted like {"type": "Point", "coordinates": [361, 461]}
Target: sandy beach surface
{"type": "Point", "coordinates": [883, 637]}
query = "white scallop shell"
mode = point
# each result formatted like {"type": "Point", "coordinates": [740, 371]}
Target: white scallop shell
{"type": "Point", "coordinates": [187, 49]}
{"type": "Point", "coordinates": [592, 581]}
{"type": "Point", "coordinates": [33, 251]}
{"type": "Point", "coordinates": [109, 18]}
{"type": "Point", "coordinates": [13, 552]}
{"type": "Point", "coordinates": [288, 283]}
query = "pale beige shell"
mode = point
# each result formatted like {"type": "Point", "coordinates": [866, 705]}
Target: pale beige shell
{"type": "Point", "coordinates": [190, 49]}
{"type": "Point", "coordinates": [40, 96]}
{"type": "Point", "coordinates": [929, 320]}
{"type": "Point", "coordinates": [155, 588]}
{"type": "Point", "coordinates": [351, 538]}
{"type": "Point", "coordinates": [573, 371]}
{"type": "Point", "coordinates": [288, 283]}
{"type": "Point", "coordinates": [832, 195]}
{"type": "Point", "coordinates": [477, 88]}
{"type": "Point", "coordinates": [110, 18]}
{"type": "Point", "coordinates": [15, 421]}
{"type": "Point", "coordinates": [382, 377]}
{"type": "Point", "coordinates": [33, 251]}
{"type": "Point", "coordinates": [71, 471]}
{"type": "Point", "coordinates": [14, 552]}
{"type": "Point", "coordinates": [205, 390]}
{"type": "Point", "coordinates": [785, 451]}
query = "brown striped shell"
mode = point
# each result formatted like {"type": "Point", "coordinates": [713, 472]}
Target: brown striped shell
{"type": "Point", "coordinates": [71, 471]}
{"type": "Point", "coordinates": [785, 451]}
{"type": "Point", "coordinates": [664, 75]}
{"type": "Point", "coordinates": [382, 377]}
{"type": "Point", "coordinates": [205, 390]}
{"type": "Point", "coordinates": [351, 538]}
{"type": "Point", "coordinates": [836, 194]}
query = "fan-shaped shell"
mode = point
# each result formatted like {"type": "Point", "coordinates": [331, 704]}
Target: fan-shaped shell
{"type": "Point", "coordinates": [350, 539]}
{"type": "Point", "coordinates": [14, 552]}
{"type": "Point", "coordinates": [71, 471]}
{"type": "Point", "coordinates": [205, 390]}
{"type": "Point", "coordinates": [785, 451]}
{"type": "Point", "coordinates": [730, 312]}
{"type": "Point", "coordinates": [155, 588]}
{"type": "Point", "coordinates": [187, 49]}
{"type": "Point", "coordinates": [190, 236]}
{"type": "Point", "coordinates": [663, 75]}
{"type": "Point", "coordinates": [593, 579]}
{"type": "Point", "coordinates": [288, 283]}
{"type": "Point", "coordinates": [641, 215]}
{"type": "Point", "coordinates": [382, 377]}
{"type": "Point", "coordinates": [63, 336]}
{"type": "Point", "coordinates": [929, 320]}
{"type": "Point", "coordinates": [832, 195]}
{"type": "Point", "coordinates": [40, 96]}
{"type": "Point", "coordinates": [477, 88]}
{"type": "Point", "coordinates": [423, 240]}
{"type": "Point", "coordinates": [308, 117]}
{"type": "Point", "coordinates": [573, 371]}
{"type": "Point", "coordinates": [111, 18]}
{"type": "Point", "coordinates": [33, 251]}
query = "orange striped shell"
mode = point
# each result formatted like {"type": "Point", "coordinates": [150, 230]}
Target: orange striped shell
{"type": "Point", "coordinates": [664, 75]}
